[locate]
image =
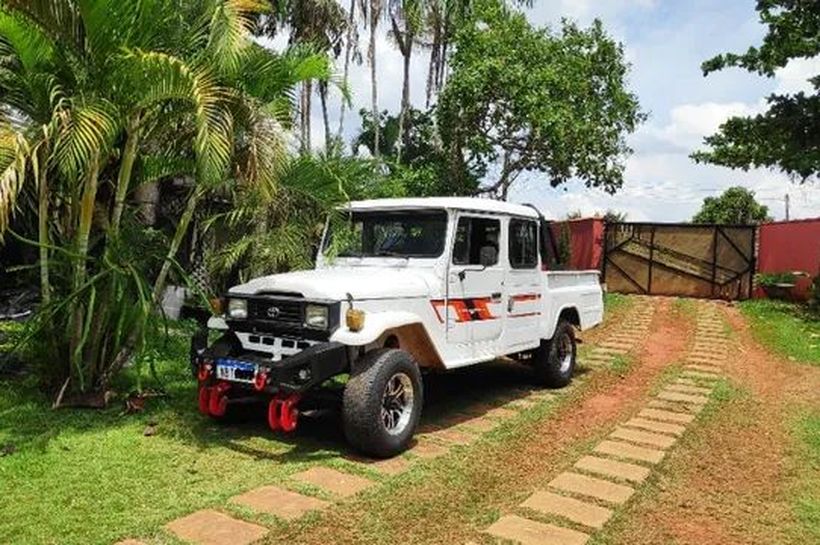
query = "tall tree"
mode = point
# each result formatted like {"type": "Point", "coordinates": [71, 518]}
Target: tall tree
{"type": "Point", "coordinates": [525, 99]}
{"type": "Point", "coordinates": [735, 206]}
{"type": "Point", "coordinates": [787, 135]}
{"type": "Point", "coordinates": [373, 12]}
{"type": "Point", "coordinates": [406, 19]}
{"type": "Point", "coordinates": [351, 54]}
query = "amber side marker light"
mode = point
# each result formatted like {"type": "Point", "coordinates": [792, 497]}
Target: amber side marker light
{"type": "Point", "coordinates": [354, 318]}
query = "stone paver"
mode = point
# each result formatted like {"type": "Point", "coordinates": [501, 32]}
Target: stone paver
{"type": "Point", "coordinates": [644, 437]}
{"type": "Point", "coordinates": [279, 502]}
{"type": "Point", "coordinates": [688, 381]}
{"type": "Point", "coordinates": [667, 416]}
{"type": "Point", "coordinates": [592, 487]}
{"type": "Point", "coordinates": [209, 527]}
{"type": "Point", "coordinates": [677, 396]}
{"type": "Point", "coordinates": [529, 532]}
{"type": "Point", "coordinates": [453, 437]}
{"type": "Point", "coordinates": [501, 412]}
{"type": "Point", "coordinates": [629, 451]}
{"type": "Point", "coordinates": [578, 511]}
{"type": "Point", "coordinates": [674, 406]}
{"type": "Point", "coordinates": [336, 482]}
{"type": "Point", "coordinates": [686, 389]}
{"type": "Point", "coordinates": [654, 425]}
{"type": "Point", "coordinates": [700, 375]}
{"type": "Point", "coordinates": [617, 345]}
{"type": "Point", "coordinates": [427, 449]}
{"type": "Point", "coordinates": [388, 466]}
{"type": "Point", "coordinates": [705, 368]}
{"type": "Point", "coordinates": [480, 424]}
{"type": "Point", "coordinates": [612, 468]}
{"type": "Point", "coordinates": [129, 542]}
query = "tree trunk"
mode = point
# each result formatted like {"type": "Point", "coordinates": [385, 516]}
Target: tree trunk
{"type": "Point", "coordinates": [325, 118]}
{"type": "Point", "coordinates": [129, 154]}
{"type": "Point", "coordinates": [374, 92]}
{"type": "Point", "coordinates": [80, 273]}
{"type": "Point", "coordinates": [179, 234]}
{"type": "Point", "coordinates": [431, 68]}
{"type": "Point", "coordinates": [405, 98]}
{"type": "Point", "coordinates": [346, 74]}
{"type": "Point", "coordinates": [307, 90]}
{"type": "Point", "coordinates": [41, 177]}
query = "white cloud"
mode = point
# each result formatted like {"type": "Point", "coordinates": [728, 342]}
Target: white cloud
{"type": "Point", "coordinates": [690, 123]}
{"type": "Point", "coordinates": [793, 78]}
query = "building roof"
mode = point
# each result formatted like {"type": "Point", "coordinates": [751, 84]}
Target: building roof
{"type": "Point", "coordinates": [456, 203]}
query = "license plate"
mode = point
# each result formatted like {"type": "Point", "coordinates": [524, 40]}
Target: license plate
{"type": "Point", "coordinates": [237, 371]}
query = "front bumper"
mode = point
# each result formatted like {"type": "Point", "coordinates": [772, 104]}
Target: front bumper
{"type": "Point", "coordinates": [294, 374]}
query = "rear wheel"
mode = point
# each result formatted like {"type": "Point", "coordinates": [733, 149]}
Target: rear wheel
{"type": "Point", "coordinates": [554, 360]}
{"type": "Point", "coordinates": [382, 402]}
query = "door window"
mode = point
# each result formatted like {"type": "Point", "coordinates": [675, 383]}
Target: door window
{"type": "Point", "coordinates": [477, 241]}
{"type": "Point", "coordinates": [523, 250]}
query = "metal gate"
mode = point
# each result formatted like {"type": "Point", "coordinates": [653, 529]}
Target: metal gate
{"type": "Point", "coordinates": [709, 261]}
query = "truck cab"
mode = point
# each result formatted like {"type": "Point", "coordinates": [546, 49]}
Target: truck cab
{"type": "Point", "coordinates": [400, 286]}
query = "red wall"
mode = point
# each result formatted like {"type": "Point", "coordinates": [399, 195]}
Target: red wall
{"type": "Point", "coordinates": [586, 241]}
{"type": "Point", "coordinates": [790, 246]}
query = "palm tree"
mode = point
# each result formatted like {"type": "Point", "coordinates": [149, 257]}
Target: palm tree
{"type": "Point", "coordinates": [372, 11]}
{"type": "Point", "coordinates": [88, 104]}
{"type": "Point", "coordinates": [406, 19]}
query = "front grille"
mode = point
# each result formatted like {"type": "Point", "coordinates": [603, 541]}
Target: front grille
{"type": "Point", "coordinates": [280, 311]}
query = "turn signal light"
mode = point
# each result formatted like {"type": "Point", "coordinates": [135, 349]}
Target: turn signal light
{"type": "Point", "coordinates": [354, 319]}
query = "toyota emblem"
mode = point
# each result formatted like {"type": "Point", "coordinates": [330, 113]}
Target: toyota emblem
{"type": "Point", "coordinates": [273, 312]}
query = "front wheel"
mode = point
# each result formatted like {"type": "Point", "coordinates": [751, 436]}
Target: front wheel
{"type": "Point", "coordinates": [554, 360]}
{"type": "Point", "coordinates": [382, 403]}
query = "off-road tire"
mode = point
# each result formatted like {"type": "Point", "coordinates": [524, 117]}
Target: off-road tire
{"type": "Point", "coordinates": [547, 359]}
{"type": "Point", "coordinates": [362, 405]}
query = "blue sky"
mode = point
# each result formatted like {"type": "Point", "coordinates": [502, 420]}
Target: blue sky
{"type": "Point", "coordinates": [665, 41]}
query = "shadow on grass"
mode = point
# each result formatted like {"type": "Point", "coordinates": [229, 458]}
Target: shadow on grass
{"type": "Point", "coordinates": [27, 421]}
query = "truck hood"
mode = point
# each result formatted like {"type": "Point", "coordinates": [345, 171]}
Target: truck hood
{"type": "Point", "coordinates": [335, 284]}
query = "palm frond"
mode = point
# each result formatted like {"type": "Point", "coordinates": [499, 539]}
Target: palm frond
{"type": "Point", "coordinates": [86, 131]}
{"type": "Point", "coordinates": [13, 157]}
{"type": "Point", "coordinates": [230, 26]}
{"type": "Point", "coordinates": [57, 19]}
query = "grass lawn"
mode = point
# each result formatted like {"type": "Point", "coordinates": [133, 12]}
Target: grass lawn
{"type": "Point", "coordinates": [792, 332]}
{"type": "Point", "coordinates": [785, 328]}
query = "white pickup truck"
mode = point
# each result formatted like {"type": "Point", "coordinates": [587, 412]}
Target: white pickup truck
{"type": "Point", "coordinates": [403, 286]}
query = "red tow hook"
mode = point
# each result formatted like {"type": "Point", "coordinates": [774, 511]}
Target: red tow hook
{"type": "Point", "coordinates": [260, 381]}
{"type": "Point", "coordinates": [218, 402]}
{"type": "Point", "coordinates": [283, 414]}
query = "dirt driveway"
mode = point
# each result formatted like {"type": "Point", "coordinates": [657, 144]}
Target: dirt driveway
{"type": "Point", "coordinates": [675, 430]}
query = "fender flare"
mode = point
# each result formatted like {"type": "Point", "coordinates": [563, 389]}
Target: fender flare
{"type": "Point", "coordinates": [563, 310]}
{"type": "Point", "coordinates": [375, 324]}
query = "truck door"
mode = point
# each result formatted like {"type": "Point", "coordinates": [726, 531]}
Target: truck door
{"type": "Point", "coordinates": [524, 286]}
{"type": "Point", "coordinates": [475, 282]}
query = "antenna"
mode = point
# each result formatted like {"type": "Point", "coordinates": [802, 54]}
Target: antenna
{"type": "Point", "coordinates": [787, 206]}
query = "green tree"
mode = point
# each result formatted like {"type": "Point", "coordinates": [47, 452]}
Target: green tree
{"type": "Point", "coordinates": [735, 206]}
{"type": "Point", "coordinates": [526, 99]}
{"type": "Point", "coordinates": [406, 20]}
{"type": "Point", "coordinates": [787, 135]}
{"type": "Point", "coordinates": [94, 108]}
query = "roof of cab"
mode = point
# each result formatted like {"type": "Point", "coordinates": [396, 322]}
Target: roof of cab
{"type": "Point", "coordinates": [456, 203]}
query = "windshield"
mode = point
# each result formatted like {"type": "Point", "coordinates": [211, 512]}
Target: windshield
{"type": "Point", "coordinates": [418, 233]}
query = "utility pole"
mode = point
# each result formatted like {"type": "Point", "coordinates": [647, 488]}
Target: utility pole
{"type": "Point", "coordinates": [787, 207]}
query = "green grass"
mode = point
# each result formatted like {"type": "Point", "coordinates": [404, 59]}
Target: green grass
{"type": "Point", "coordinates": [613, 301]}
{"type": "Point", "coordinates": [786, 328]}
{"type": "Point", "coordinates": [77, 476]}
{"type": "Point", "coordinates": [806, 499]}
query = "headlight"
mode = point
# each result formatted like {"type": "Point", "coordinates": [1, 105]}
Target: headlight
{"type": "Point", "coordinates": [316, 316]}
{"type": "Point", "coordinates": [238, 309]}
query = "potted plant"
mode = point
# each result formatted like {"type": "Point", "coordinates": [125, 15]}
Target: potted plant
{"type": "Point", "coordinates": [778, 285]}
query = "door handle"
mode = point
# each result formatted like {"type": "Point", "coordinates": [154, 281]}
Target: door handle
{"type": "Point", "coordinates": [496, 297]}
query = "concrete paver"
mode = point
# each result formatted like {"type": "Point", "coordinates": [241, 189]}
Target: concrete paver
{"type": "Point", "coordinates": [388, 466]}
{"type": "Point", "coordinates": [654, 425]}
{"type": "Point", "coordinates": [668, 416]}
{"type": "Point", "coordinates": [670, 395]}
{"type": "Point", "coordinates": [629, 451]}
{"type": "Point", "coordinates": [643, 437]}
{"type": "Point", "coordinates": [209, 527]}
{"type": "Point", "coordinates": [427, 449]}
{"type": "Point", "coordinates": [578, 511]}
{"type": "Point", "coordinates": [592, 487]}
{"type": "Point", "coordinates": [687, 389]}
{"type": "Point", "coordinates": [530, 532]}
{"type": "Point", "coordinates": [700, 375]}
{"type": "Point", "coordinates": [333, 481]}
{"type": "Point", "coordinates": [613, 468]}
{"type": "Point", "coordinates": [279, 502]}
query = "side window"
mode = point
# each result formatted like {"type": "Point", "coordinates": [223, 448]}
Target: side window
{"type": "Point", "coordinates": [523, 244]}
{"type": "Point", "coordinates": [477, 241]}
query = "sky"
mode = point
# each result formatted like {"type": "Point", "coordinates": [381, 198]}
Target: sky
{"type": "Point", "coordinates": [665, 42]}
